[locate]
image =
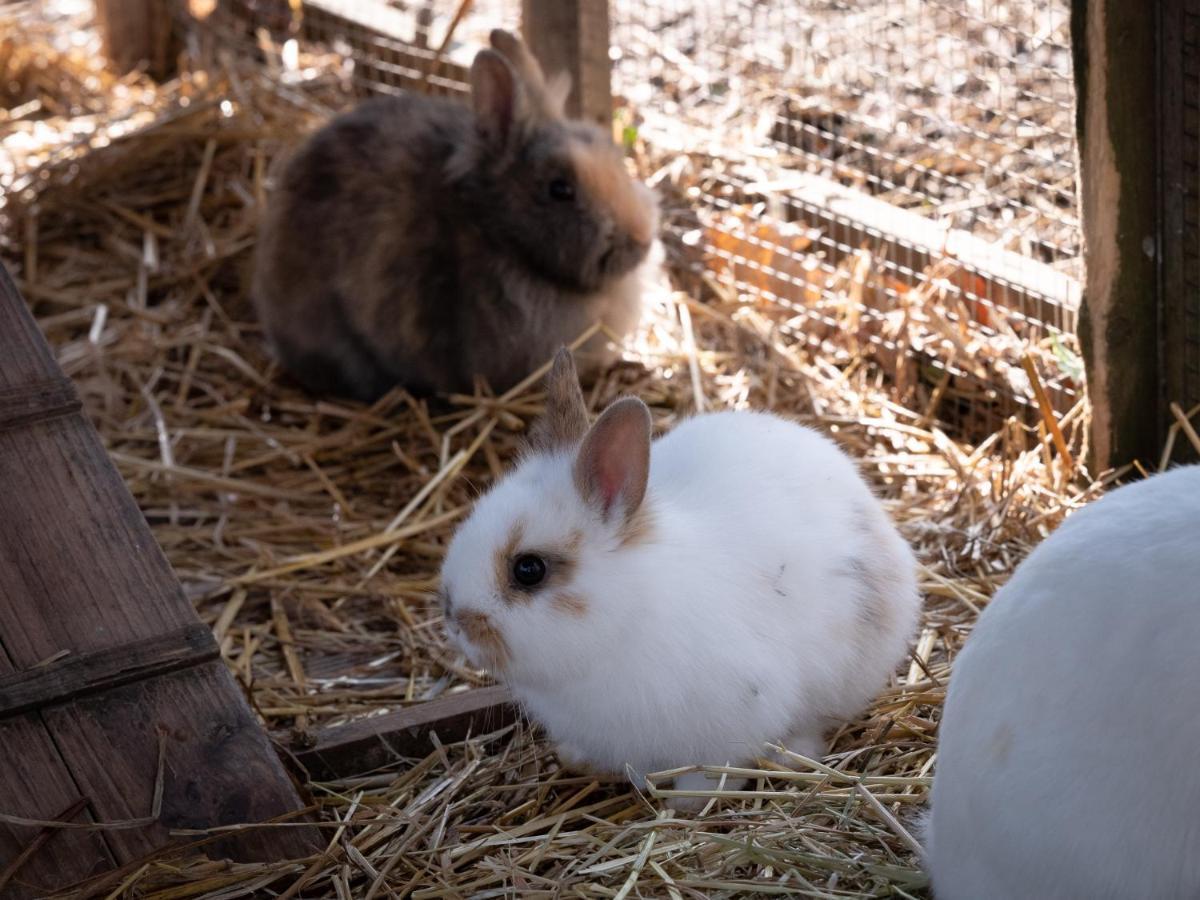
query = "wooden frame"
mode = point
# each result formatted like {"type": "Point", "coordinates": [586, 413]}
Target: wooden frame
{"type": "Point", "coordinates": [572, 36]}
{"type": "Point", "coordinates": [115, 707]}
{"type": "Point", "coordinates": [1138, 122]}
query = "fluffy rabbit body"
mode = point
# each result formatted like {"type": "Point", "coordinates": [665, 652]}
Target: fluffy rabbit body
{"type": "Point", "coordinates": [418, 241]}
{"type": "Point", "coordinates": [733, 583]}
{"type": "Point", "coordinates": [1069, 753]}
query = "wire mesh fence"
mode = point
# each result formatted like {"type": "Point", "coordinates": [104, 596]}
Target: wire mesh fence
{"type": "Point", "coordinates": [903, 169]}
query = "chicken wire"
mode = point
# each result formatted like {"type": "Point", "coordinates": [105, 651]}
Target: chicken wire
{"type": "Point", "coordinates": [957, 113]}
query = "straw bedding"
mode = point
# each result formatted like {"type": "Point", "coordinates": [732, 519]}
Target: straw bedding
{"type": "Point", "coordinates": [308, 532]}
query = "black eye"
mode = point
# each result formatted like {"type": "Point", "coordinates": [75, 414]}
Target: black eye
{"type": "Point", "coordinates": [529, 570]}
{"type": "Point", "coordinates": [561, 189]}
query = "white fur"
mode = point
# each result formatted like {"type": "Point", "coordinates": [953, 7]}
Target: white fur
{"type": "Point", "coordinates": [740, 620]}
{"type": "Point", "coordinates": [1069, 758]}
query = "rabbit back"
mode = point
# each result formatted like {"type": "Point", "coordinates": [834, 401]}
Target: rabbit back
{"type": "Point", "coordinates": [1068, 746]}
{"type": "Point", "coordinates": [771, 595]}
{"type": "Point", "coordinates": [352, 245]}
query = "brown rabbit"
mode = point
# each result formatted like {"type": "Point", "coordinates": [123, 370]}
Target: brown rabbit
{"type": "Point", "coordinates": [418, 241]}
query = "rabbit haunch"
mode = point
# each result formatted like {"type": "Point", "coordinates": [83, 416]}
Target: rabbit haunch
{"type": "Point", "coordinates": [422, 242]}
{"type": "Point", "coordinates": [1068, 747]}
{"type": "Point", "coordinates": [731, 584]}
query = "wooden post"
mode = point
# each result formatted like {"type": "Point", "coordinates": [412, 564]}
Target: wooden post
{"type": "Point", "coordinates": [1138, 125]}
{"type": "Point", "coordinates": [1179, 159]}
{"type": "Point", "coordinates": [136, 33]}
{"type": "Point", "coordinates": [572, 36]}
{"type": "Point", "coordinates": [1114, 43]}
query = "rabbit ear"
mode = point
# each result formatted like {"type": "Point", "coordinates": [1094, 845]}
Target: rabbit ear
{"type": "Point", "coordinates": [614, 461]}
{"type": "Point", "coordinates": [548, 97]}
{"type": "Point", "coordinates": [565, 420]}
{"type": "Point", "coordinates": [495, 95]}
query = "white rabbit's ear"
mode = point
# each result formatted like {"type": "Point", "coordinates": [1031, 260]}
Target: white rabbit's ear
{"type": "Point", "coordinates": [496, 96]}
{"type": "Point", "coordinates": [565, 420]}
{"type": "Point", "coordinates": [614, 459]}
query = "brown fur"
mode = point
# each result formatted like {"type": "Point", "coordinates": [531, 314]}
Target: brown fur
{"type": "Point", "coordinates": [480, 631]}
{"type": "Point", "coordinates": [600, 170]}
{"type": "Point", "coordinates": [502, 563]}
{"type": "Point", "coordinates": [565, 420]}
{"type": "Point", "coordinates": [412, 241]}
{"type": "Point", "coordinates": [571, 604]}
{"type": "Point", "coordinates": [638, 528]}
{"type": "Point", "coordinates": [560, 565]}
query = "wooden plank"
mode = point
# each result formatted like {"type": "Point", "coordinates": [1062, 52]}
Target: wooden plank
{"type": "Point", "coordinates": [77, 675]}
{"type": "Point", "coordinates": [37, 400]}
{"type": "Point", "coordinates": [36, 784]}
{"type": "Point", "coordinates": [1179, 158]}
{"type": "Point", "coordinates": [853, 218]}
{"type": "Point", "coordinates": [80, 571]}
{"type": "Point", "coordinates": [1114, 47]}
{"type": "Point", "coordinates": [136, 33]}
{"type": "Point", "coordinates": [572, 36]}
{"type": "Point", "coordinates": [218, 765]}
{"type": "Point", "coordinates": [368, 744]}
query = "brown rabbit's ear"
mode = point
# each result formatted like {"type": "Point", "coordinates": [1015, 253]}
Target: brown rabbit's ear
{"type": "Point", "coordinates": [565, 420]}
{"type": "Point", "coordinates": [549, 97]}
{"type": "Point", "coordinates": [613, 464]}
{"type": "Point", "coordinates": [495, 95]}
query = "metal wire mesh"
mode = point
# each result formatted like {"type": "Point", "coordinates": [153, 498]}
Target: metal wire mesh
{"type": "Point", "coordinates": [854, 159]}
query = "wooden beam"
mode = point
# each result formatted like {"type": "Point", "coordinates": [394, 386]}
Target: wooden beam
{"type": "Point", "coordinates": [368, 744]}
{"type": "Point", "coordinates": [141, 717]}
{"type": "Point", "coordinates": [136, 33]}
{"type": "Point", "coordinates": [572, 36]}
{"type": "Point", "coordinates": [77, 675]}
{"type": "Point", "coordinates": [1114, 45]}
{"type": "Point", "coordinates": [1179, 159]}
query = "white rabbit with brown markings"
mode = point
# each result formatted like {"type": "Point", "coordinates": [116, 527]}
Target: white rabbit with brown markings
{"type": "Point", "coordinates": [423, 242]}
{"type": "Point", "coordinates": [682, 601]}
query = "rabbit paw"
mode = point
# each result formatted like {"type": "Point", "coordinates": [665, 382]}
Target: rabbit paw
{"type": "Point", "coordinates": [698, 781]}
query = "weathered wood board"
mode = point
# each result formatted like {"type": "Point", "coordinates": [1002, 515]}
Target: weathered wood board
{"type": "Point", "coordinates": [111, 690]}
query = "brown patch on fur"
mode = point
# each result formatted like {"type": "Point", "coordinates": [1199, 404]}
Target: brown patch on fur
{"type": "Point", "coordinates": [565, 420]}
{"type": "Point", "coordinates": [603, 176]}
{"type": "Point", "coordinates": [571, 604]}
{"type": "Point", "coordinates": [574, 542]}
{"type": "Point", "coordinates": [638, 528]}
{"type": "Point", "coordinates": [480, 631]}
{"type": "Point", "coordinates": [503, 561]}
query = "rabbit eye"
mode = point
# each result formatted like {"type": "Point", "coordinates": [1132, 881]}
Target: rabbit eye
{"type": "Point", "coordinates": [529, 570]}
{"type": "Point", "coordinates": [561, 189]}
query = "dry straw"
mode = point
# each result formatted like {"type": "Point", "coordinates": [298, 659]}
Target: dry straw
{"type": "Point", "coordinates": [308, 532]}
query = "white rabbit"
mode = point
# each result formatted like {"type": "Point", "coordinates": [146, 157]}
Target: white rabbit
{"type": "Point", "coordinates": [680, 603]}
{"type": "Point", "coordinates": [1069, 757]}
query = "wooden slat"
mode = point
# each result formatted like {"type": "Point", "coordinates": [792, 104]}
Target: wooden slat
{"type": "Point", "coordinates": [219, 766]}
{"type": "Point", "coordinates": [80, 571]}
{"type": "Point", "coordinates": [368, 744]}
{"type": "Point", "coordinates": [35, 784]}
{"type": "Point", "coordinates": [572, 36]}
{"type": "Point", "coordinates": [1114, 45]}
{"type": "Point", "coordinates": [37, 400]}
{"type": "Point", "coordinates": [77, 675]}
